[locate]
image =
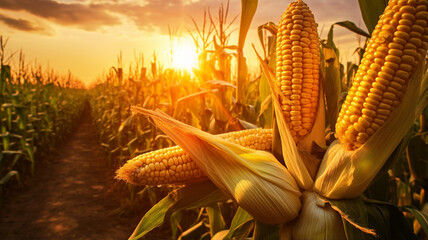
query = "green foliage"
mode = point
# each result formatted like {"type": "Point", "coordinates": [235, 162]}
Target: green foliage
{"type": "Point", "coordinates": [371, 11]}
{"type": "Point", "coordinates": [38, 110]}
{"type": "Point", "coordinates": [190, 197]}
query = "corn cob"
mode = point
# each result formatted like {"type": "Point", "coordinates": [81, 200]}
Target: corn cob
{"type": "Point", "coordinates": [297, 68]}
{"type": "Point", "coordinates": [173, 166]}
{"type": "Point", "coordinates": [398, 44]}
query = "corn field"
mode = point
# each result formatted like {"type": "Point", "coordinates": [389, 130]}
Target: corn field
{"type": "Point", "coordinates": [308, 147]}
{"type": "Point", "coordinates": [38, 110]}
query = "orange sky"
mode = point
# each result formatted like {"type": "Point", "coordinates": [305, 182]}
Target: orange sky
{"type": "Point", "coordinates": [86, 36]}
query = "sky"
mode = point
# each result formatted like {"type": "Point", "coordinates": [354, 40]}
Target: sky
{"type": "Point", "coordinates": [86, 37]}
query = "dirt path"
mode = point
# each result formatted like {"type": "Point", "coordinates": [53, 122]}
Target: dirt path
{"type": "Point", "coordinates": [70, 197]}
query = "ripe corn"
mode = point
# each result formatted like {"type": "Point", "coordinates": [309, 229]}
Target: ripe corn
{"type": "Point", "coordinates": [297, 68]}
{"type": "Point", "coordinates": [398, 43]}
{"type": "Point", "coordinates": [172, 166]}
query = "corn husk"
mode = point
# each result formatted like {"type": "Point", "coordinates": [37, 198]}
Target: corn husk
{"type": "Point", "coordinates": [317, 220]}
{"type": "Point", "coordinates": [254, 179]}
{"type": "Point", "coordinates": [297, 158]}
{"type": "Point", "coordinates": [347, 174]}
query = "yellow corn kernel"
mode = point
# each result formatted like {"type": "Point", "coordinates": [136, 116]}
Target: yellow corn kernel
{"type": "Point", "coordinates": [301, 63]}
{"type": "Point", "coordinates": [172, 166]}
{"type": "Point", "coordinates": [391, 57]}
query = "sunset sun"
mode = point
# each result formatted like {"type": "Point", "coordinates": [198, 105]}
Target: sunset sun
{"type": "Point", "coordinates": [184, 57]}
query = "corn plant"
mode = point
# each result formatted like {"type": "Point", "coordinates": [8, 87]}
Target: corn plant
{"type": "Point", "coordinates": [38, 110]}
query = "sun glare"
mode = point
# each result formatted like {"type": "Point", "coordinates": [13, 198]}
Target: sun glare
{"type": "Point", "coordinates": [184, 57]}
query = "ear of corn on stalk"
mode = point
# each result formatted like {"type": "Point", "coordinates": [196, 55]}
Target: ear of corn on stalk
{"type": "Point", "coordinates": [296, 77]}
{"type": "Point", "coordinates": [254, 179]}
{"type": "Point", "coordinates": [398, 44]}
{"type": "Point", "coordinates": [382, 102]}
{"type": "Point", "coordinates": [297, 68]}
{"type": "Point", "coordinates": [172, 166]}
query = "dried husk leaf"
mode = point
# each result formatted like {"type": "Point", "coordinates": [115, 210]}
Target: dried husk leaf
{"type": "Point", "coordinates": [254, 179]}
{"type": "Point", "coordinates": [317, 220]}
{"type": "Point", "coordinates": [346, 174]}
{"type": "Point", "coordinates": [292, 158]}
{"type": "Point", "coordinates": [315, 136]}
{"type": "Point", "coordinates": [317, 133]}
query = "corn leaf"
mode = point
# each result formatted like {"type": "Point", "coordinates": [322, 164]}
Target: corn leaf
{"type": "Point", "coordinates": [247, 13]}
{"type": "Point", "coordinates": [265, 231]}
{"type": "Point", "coordinates": [354, 216]}
{"type": "Point", "coordinates": [370, 219]}
{"type": "Point", "coordinates": [125, 124]}
{"type": "Point", "coordinates": [249, 8]}
{"type": "Point", "coordinates": [241, 224]}
{"type": "Point", "coordinates": [197, 231]}
{"type": "Point", "coordinates": [265, 113]}
{"type": "Point", "coordinates": [421, 217]}
{"type": "Point", "coordinates": [8, 176]}
{"type": "Point", "coordinates": [216, 219]}
{"type": "Point", "coordinates": [417, 152]}
{"type": "Point", "coordinates": [371, 11]}
{"type": "Point", "coordinates": [332, 86]}
{"type": "Point", "coordinates": [175, 220]}
{"type": "Point", "coordinates": [389, 221]}
{"type": "Point", "coordinates": [352, 27]}
{"type": "Point", "coordinates": [193, 196]}
{"type": "Point", "coordinates": [219, 236]}
{"type": "Point", "coordinates": [265, 93]}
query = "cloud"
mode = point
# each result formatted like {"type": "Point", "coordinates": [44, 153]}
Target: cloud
{"type": "Point", "coordinates": [92, 15]}
{"type": "Point", "coordinates": [23, 25]}
{"type": "Point", "coordinates": [82, 15]}
{"type": "Point", "coordinates": [157, 15]}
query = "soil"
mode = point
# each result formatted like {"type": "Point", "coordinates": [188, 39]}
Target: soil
{"type": "Point", "coordinates": [72, 196]}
